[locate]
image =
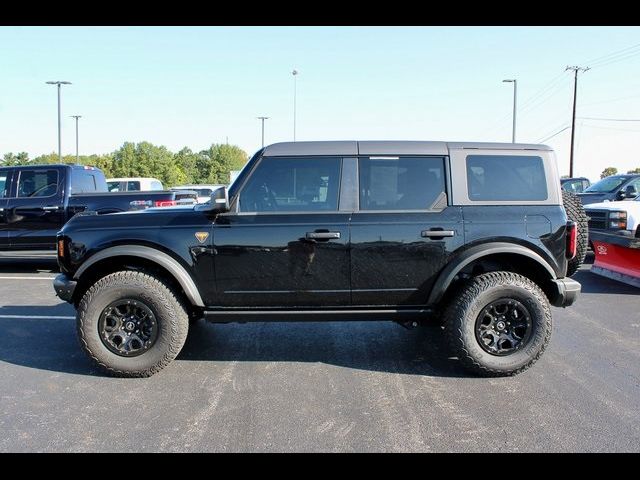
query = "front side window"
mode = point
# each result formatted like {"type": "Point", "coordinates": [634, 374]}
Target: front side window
{"type": "Point", "coordinates": [133, 186]}
{"type": "Point", "coordinates": [294, 184]}
{"type": "Point", "coordinates": [37, 183]}
{"type": "Point", "coordinates": [400, 183]}
{"type": "Point", "coordinates": [506, 178]}
{"type": "Point", "coordinates": [113, 186]}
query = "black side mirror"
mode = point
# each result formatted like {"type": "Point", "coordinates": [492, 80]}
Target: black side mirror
{"type": "Point", "coordinates": [630, 191]}
{"type": "Point", "coordinates": [219, 200]}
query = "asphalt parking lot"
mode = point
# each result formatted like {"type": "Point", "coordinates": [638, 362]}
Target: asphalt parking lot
{"type": "Point", "coordinates": [363, 386]}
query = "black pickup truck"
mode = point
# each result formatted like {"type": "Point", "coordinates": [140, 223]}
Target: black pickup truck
{"type": "Point", "coordinates": [36, 201]}
{"type": "Point", "coordinates": [473, 234]}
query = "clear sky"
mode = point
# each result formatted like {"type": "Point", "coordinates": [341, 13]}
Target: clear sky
{"type": "Point", "coordinates": [193, 86]}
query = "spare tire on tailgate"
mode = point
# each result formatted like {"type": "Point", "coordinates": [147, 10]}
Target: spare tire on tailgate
{"type": "Point", "coordinates": [575, 212]}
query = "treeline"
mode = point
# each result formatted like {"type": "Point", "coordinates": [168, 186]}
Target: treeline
{"type": "Point", "coordinates": [614, 171]}
{"type": "Point", "coordinates": [147, 160]}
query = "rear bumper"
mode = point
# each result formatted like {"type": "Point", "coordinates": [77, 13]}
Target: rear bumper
{"type": "Point", "coordinates": [566, 291]}
{"type": "Point", "coordinates": [64, 287]}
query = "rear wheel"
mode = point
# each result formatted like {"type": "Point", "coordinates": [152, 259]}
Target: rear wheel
{"type": "Point", "coordinates": [575, 212]}
{"type": "Point", "coordinates": [498, 324]}
{"type": "Point", "coordinates": [131, 324]}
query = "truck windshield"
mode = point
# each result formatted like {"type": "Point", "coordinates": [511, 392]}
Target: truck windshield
{"type": "Point", "coordinates": [606, 185]}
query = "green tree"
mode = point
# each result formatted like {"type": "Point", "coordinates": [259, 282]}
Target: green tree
{"type": "Point", "coordinates": [608, 171]}
{"type": "Point", "coordinates": [11, 159]}
{"type": "Point", "coordinates": [187, 163]}
{"type": "Point", "coordinates": [635, 170]}
{"type": "Point", "coordinates": [218, 162]}
{"type": "Point", "coordinates": [147, 160]}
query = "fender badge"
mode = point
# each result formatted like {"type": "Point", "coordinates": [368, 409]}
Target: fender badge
{"type": "Point", "coordinates": [202, 236]}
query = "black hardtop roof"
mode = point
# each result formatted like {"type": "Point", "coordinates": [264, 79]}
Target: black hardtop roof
{"type": "Point", "coordinates": [353, 147]}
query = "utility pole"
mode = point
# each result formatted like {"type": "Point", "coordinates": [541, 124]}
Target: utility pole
{"type": "Point", "coordinates": [575, 69]}
{"type": "Point", "coordinates": [263, 119]}
{"type": "Point", "coordinates": [76, 117]}
{"type": "Point", "coordinates": [294, 73]}
{"type": "Point", "coordinates": [59, 84]}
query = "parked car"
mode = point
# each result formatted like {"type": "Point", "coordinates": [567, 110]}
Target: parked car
{"type": "Point", "coordinates": [36, 201]}
{"type": "Point", "coordinates": [134, 184]}
{"type": "Point", "coordinates": [611, 189]}
{"type": "Point", "coordinates": [204, 191]}
{"type": "Point", "coordinates": [575, 185]}
{"type": "Point", "coordinates": [473, 234]}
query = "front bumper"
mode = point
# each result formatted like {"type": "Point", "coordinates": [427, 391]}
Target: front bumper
{"type": "Point", "coordinates": [64, 287]}
{"type": "Point", "coordinates": [566, 291]}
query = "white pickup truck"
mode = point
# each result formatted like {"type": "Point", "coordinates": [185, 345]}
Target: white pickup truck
{"type": "Point", "coordinates": [614, 236]}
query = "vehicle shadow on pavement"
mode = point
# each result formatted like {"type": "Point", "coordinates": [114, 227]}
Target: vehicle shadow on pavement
{"type": "Point", "coordinates": [592, 283]}
{"type": "Point", "coordinates": [51, 344]}
{"type": "Point", "coordinates": [10, 265]}
{"type": "Point", "coordinates": [373, 346]}
{"type": "Point", "coordinates": [42, 342]}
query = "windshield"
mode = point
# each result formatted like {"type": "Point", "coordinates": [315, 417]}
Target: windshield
{"type": "Point", "coordinates": [606, 185]}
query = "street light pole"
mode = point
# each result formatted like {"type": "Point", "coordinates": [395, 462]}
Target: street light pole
{"type": "Point", "coordinates": [76, 117]}
{"type": "Point", "coordinates": [59, 84]}
{"type": "Point", "coordinates": [515, 96]}
{"type": "Point", "coordinates": [294, 73]}
{"type": "Point", "coordinates": [263, 119]}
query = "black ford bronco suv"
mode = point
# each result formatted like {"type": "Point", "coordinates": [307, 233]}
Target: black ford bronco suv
{"type": "Point", "coordinates": [473, 234]}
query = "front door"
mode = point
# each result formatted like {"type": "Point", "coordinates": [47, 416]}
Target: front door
{"type": "Point", "coordinates": [35, 211]}
{"type": "Point", "coordinates": [403, 232]}
{"type": "Point", "coordinates": [287, 242]}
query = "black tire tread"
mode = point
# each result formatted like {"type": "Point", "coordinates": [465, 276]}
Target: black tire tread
{"type": "Point", "coordinates": [149, 282]}
{"type": "Point", "coordinates": [575, 212]}
{"type": "Point", "coordinates": [455, 315]}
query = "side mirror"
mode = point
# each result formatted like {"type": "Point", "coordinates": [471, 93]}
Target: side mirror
{"type": "Point", "coordinates": [219, 200]}
{"type": "Point", "coordinates": [630, 192]}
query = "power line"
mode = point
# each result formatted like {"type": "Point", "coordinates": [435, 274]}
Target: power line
{"type": "Point", "coordinates": [618, 59]}
{"type": "Point", "coordinates": [608, 55]}
{"type": "Point", "coordinates": [553, 135]}
{"type": "Point", "coordinates": [611, 119]}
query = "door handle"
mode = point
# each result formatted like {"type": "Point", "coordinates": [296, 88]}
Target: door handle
{"type": "Point", "coordinates": [51, 208]}
{"type": "Point", "coordinates": [437, 233]}
{"type": "Point", "coordinates": [322, 235]}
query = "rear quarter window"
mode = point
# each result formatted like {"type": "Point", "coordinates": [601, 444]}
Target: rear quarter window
{"type": "Point", "coordinates": [506, 178]}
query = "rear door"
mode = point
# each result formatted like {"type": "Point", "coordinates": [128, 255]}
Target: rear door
{"type": "Point", "coordinates": [5, 184]}
{"type": "Point", "coordinates": [35, 212]}
{"type": "Point", "coordinates": [403, 231]}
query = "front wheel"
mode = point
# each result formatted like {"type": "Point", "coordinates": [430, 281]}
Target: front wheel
{"type": "Point", "coordinates": [498, 324]}
{"type": "Point", "coordinates": [131, 324]}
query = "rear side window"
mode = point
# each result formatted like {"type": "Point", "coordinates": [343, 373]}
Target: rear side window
{"type": "Point", "coordinates": [156, 185]}
{"type": "Point", "coordinates": [37, 183]}
{"type": "Point", "coordinates": [134, 185]}
{"type": "Point", "coordinates": [506, 178]}
{"type": "Point", "coordinates": [293, 185]}
{"type": "Point", "coordinates": [3, 185]}
{"type": "Point", "coordinates": [82, 182]}
{"type": "Point", "coordinates": [400, 183]}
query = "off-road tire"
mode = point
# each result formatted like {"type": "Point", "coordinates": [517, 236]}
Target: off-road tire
{"type": "Point", "coordinates": [463, 311]}
{"type": "Point", "coordinates": [170, 313]}
{"type": "Point", "coordinates": [575, 212]}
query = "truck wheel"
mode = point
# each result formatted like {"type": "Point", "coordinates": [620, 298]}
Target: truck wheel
{"type": "Point", "coordinates": [131, 324]}
{"type": "Point", "coordinates": [575, 212]}
{"type": "Point", "coordinates": [498, 324]}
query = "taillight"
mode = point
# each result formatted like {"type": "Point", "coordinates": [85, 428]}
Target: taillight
{"type": "Point", "coordinates": [165, 203]}
{"type": "Point", "coordinates": [572, 239]}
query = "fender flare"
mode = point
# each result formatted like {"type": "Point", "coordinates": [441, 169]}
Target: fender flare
{"type": "Point", "coordinates": [452, 269]}
{"type": "Point", "coordinates": [156, 256]}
